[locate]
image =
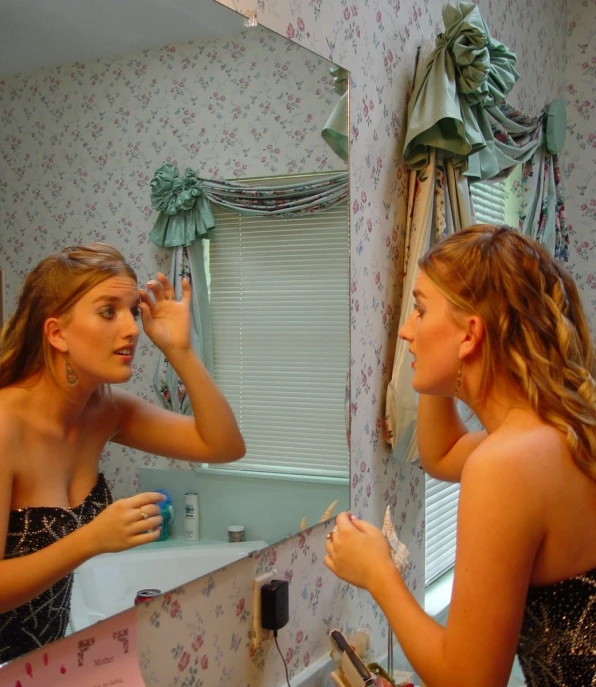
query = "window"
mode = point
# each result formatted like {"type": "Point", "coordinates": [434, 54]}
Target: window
{"type": "Point", "coordinates": [279, 293]}
{"type": "Point", "coordinates": [441, 517]}
{"type": "Point", "coordinates": [494, 203]}
{"type": "Point", "coordinates": [488, 200]}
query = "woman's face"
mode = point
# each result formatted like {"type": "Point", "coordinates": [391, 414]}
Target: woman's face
{"type": "Point", "coordinates": [102, 331]}
{"type": "Point", "coordinates": [434, 339]}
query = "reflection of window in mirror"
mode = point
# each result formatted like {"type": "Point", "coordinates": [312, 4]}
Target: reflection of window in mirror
{"type": "Point", "coordinates": [279, 295]}
{"type": "Point", "coordinates": [494, 202]}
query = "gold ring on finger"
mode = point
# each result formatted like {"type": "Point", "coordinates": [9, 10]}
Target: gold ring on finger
{"type": "Point", "coordinates": [143, 514]}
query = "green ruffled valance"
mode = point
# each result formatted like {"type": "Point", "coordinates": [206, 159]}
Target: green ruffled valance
{"type": "Point", "coordinates": [184, 211]}
{"type": "Point", "coordinates": [466, 72]}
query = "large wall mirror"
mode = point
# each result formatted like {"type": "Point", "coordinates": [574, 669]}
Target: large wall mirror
{"type": "Point", "coordinates": [94, 97]}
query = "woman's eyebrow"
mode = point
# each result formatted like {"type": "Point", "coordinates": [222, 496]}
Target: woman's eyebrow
{"type": "Point", "coordinates": [115, 299]}
{"type": "Point", "coordinates": [110, 299]}
{"type": "Point", "coordinates": [418, 294]}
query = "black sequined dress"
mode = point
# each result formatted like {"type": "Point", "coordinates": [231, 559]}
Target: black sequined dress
{"type": "Point", "coordinates": [45, 618]}
{"type": "Point", "coordinates": [557, 646]}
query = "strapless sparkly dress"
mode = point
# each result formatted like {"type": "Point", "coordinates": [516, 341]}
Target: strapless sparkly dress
{"type": "Point", "coordinates": [44, 619]}
{"type": "Point", "coordinates": [557, 646]}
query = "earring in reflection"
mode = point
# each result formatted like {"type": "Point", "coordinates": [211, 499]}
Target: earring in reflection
{"type": "Point", "coordinates": [72, 379]}
{"type": "Point", "coordinates": [458, 381]}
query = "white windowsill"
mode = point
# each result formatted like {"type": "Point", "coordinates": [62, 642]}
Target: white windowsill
{"type": "Point", "coordinates": [437, 596]}
{"type": "Point", "coordinates": [285, 477]}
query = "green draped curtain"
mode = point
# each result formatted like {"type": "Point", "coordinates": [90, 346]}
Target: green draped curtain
{"type": "Point", "coordinates": [458, 108]}
{"type": "Point", "coordinates": [185, 220]}
{"type": "Point", "coordinates": [461, 130]}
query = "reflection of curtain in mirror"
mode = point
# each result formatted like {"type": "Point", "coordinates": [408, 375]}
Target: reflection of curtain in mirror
{"type": "Point", "coordinates": [187, 262]}
{"type": "Point", "coordinates": [184, 221]}
{"type": "Point", "coordinates": [335, 132]}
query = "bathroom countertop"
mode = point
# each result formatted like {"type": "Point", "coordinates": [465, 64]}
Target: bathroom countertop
{"type": "Point", "coordinates": [176, 542]}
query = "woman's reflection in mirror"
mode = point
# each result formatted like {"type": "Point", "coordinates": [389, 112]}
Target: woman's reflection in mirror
{"type": "Point", "coordinates": [72, 337]}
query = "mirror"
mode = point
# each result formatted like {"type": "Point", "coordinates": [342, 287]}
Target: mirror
{"type": "Point", "coordinates": [92, 103]}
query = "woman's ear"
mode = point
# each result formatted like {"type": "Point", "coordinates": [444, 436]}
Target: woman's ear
{"type": "Point", "coordinates": [52, 330]}
{"type": "Point", "coordinates": [473, 334]}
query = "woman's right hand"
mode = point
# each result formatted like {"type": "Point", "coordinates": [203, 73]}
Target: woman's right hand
{"type": "Point", "coordinates": [127, 523]}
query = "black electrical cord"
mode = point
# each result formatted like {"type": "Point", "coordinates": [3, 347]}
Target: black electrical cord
{"type": "Point", "coordinates": [282, 658]}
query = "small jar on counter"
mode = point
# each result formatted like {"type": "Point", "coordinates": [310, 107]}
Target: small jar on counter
{"type": "Point", "coordinates": [235, 533]}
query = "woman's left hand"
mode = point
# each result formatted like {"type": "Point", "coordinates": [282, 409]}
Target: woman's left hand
{"type": "Point", "coordinates": [166, 321]}
{"type": "Point", "coordinates": [357, 551]}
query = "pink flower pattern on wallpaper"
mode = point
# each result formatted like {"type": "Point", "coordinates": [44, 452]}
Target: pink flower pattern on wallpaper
{"type": "Point", "coordinates": [80, 144]}
{"type": "Point", "coordinates": [378, 45]}
{"type": "Point", "coordinates": [199, 635]}
{"type": "Point", "coordinates": [578, 163]}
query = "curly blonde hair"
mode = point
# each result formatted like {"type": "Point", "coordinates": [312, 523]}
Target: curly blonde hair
{"type": "Point", "coordinates": [51, 289]}
{"type": "Point", "coordinates": [536, 333]}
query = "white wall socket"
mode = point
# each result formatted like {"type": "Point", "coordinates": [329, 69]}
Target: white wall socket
{"type": "Point", "coordinates": [258, 634]}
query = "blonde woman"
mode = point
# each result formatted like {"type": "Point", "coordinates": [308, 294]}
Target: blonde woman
{"type": "Point", "coordinates": [498, 323]}
{"type": "Point", "coordinates": [72, 337]}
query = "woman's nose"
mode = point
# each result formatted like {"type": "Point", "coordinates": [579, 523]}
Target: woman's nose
{"type": "Point", "coordinates": [132, 326]}
{"type": "Point", "coordinates": [406, 331]}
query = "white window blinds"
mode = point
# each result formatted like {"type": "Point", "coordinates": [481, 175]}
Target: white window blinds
{"type": "Point", "coordinates": [279, 293]}
{"type": "Point", "coordinates": [490, 201]}
{"type": "Point", "coordinates": [441, 520]}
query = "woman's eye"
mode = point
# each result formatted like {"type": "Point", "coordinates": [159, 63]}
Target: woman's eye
{"type": "Point", "coordinates": [107, 312]}
{"type": "Point", "coordinates": [136, 312]}
{"type": "Point", "coordinates": [418, 309]}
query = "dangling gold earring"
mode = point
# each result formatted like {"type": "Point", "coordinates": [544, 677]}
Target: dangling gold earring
{"type": "Point", "coordinates": [72, 379]}
{"type": "Point", "coordinates": [458, 381]}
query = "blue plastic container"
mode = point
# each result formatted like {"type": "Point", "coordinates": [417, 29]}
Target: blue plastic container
{"type": "Point", "coordinates": [166, 510]}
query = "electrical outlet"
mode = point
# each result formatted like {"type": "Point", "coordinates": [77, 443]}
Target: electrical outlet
{"type": "Point", "coordinates": [258, 633]}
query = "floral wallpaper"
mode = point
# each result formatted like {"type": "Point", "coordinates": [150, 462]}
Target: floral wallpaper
{"type": "Point", "coordinates": [199, 635]}
{"type": "Point", "coordinates": [580, 153]}
{"type": "Point", "coordinates": [80, 144]}
{"type": "Point", "coordinates": [378, 44]}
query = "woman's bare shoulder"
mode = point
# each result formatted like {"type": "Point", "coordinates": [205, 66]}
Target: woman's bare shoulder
{"type": "Point", "coordinates": [12, 425]}
{"type": "Point", "coordinates": [531, 449]}
{"type": "Point", "coordinates": [12, 406]}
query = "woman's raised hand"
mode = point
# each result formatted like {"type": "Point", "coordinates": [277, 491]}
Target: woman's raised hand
{"type": "Point", "coordinates": [166, 321]}
{"type": "Point", "coordinates": [127, 523]}
{"type": "Point", "coordinates": [357, 551]}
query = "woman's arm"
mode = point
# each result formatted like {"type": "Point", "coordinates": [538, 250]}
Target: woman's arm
{"type": "Point", "coordinates": [211, 436]}
{"type": "Point", "coordinates": [117, 528]}
{"type": "Point", "coordinates": [444, 442]}
{"type": "Point", "coordinates": [500, 528]}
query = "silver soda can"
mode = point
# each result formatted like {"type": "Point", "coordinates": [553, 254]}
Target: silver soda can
{"type": "Point", "coordinates": [146, 595]}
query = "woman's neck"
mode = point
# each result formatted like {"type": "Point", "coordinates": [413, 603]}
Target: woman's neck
{"type": "Point", "coordinates": [61, 405]}
{"type": "Point", "coordinates": [501, 400]}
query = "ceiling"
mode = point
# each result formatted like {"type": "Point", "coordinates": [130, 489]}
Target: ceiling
{"type": "Point", "coordinates": [42, 33]}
